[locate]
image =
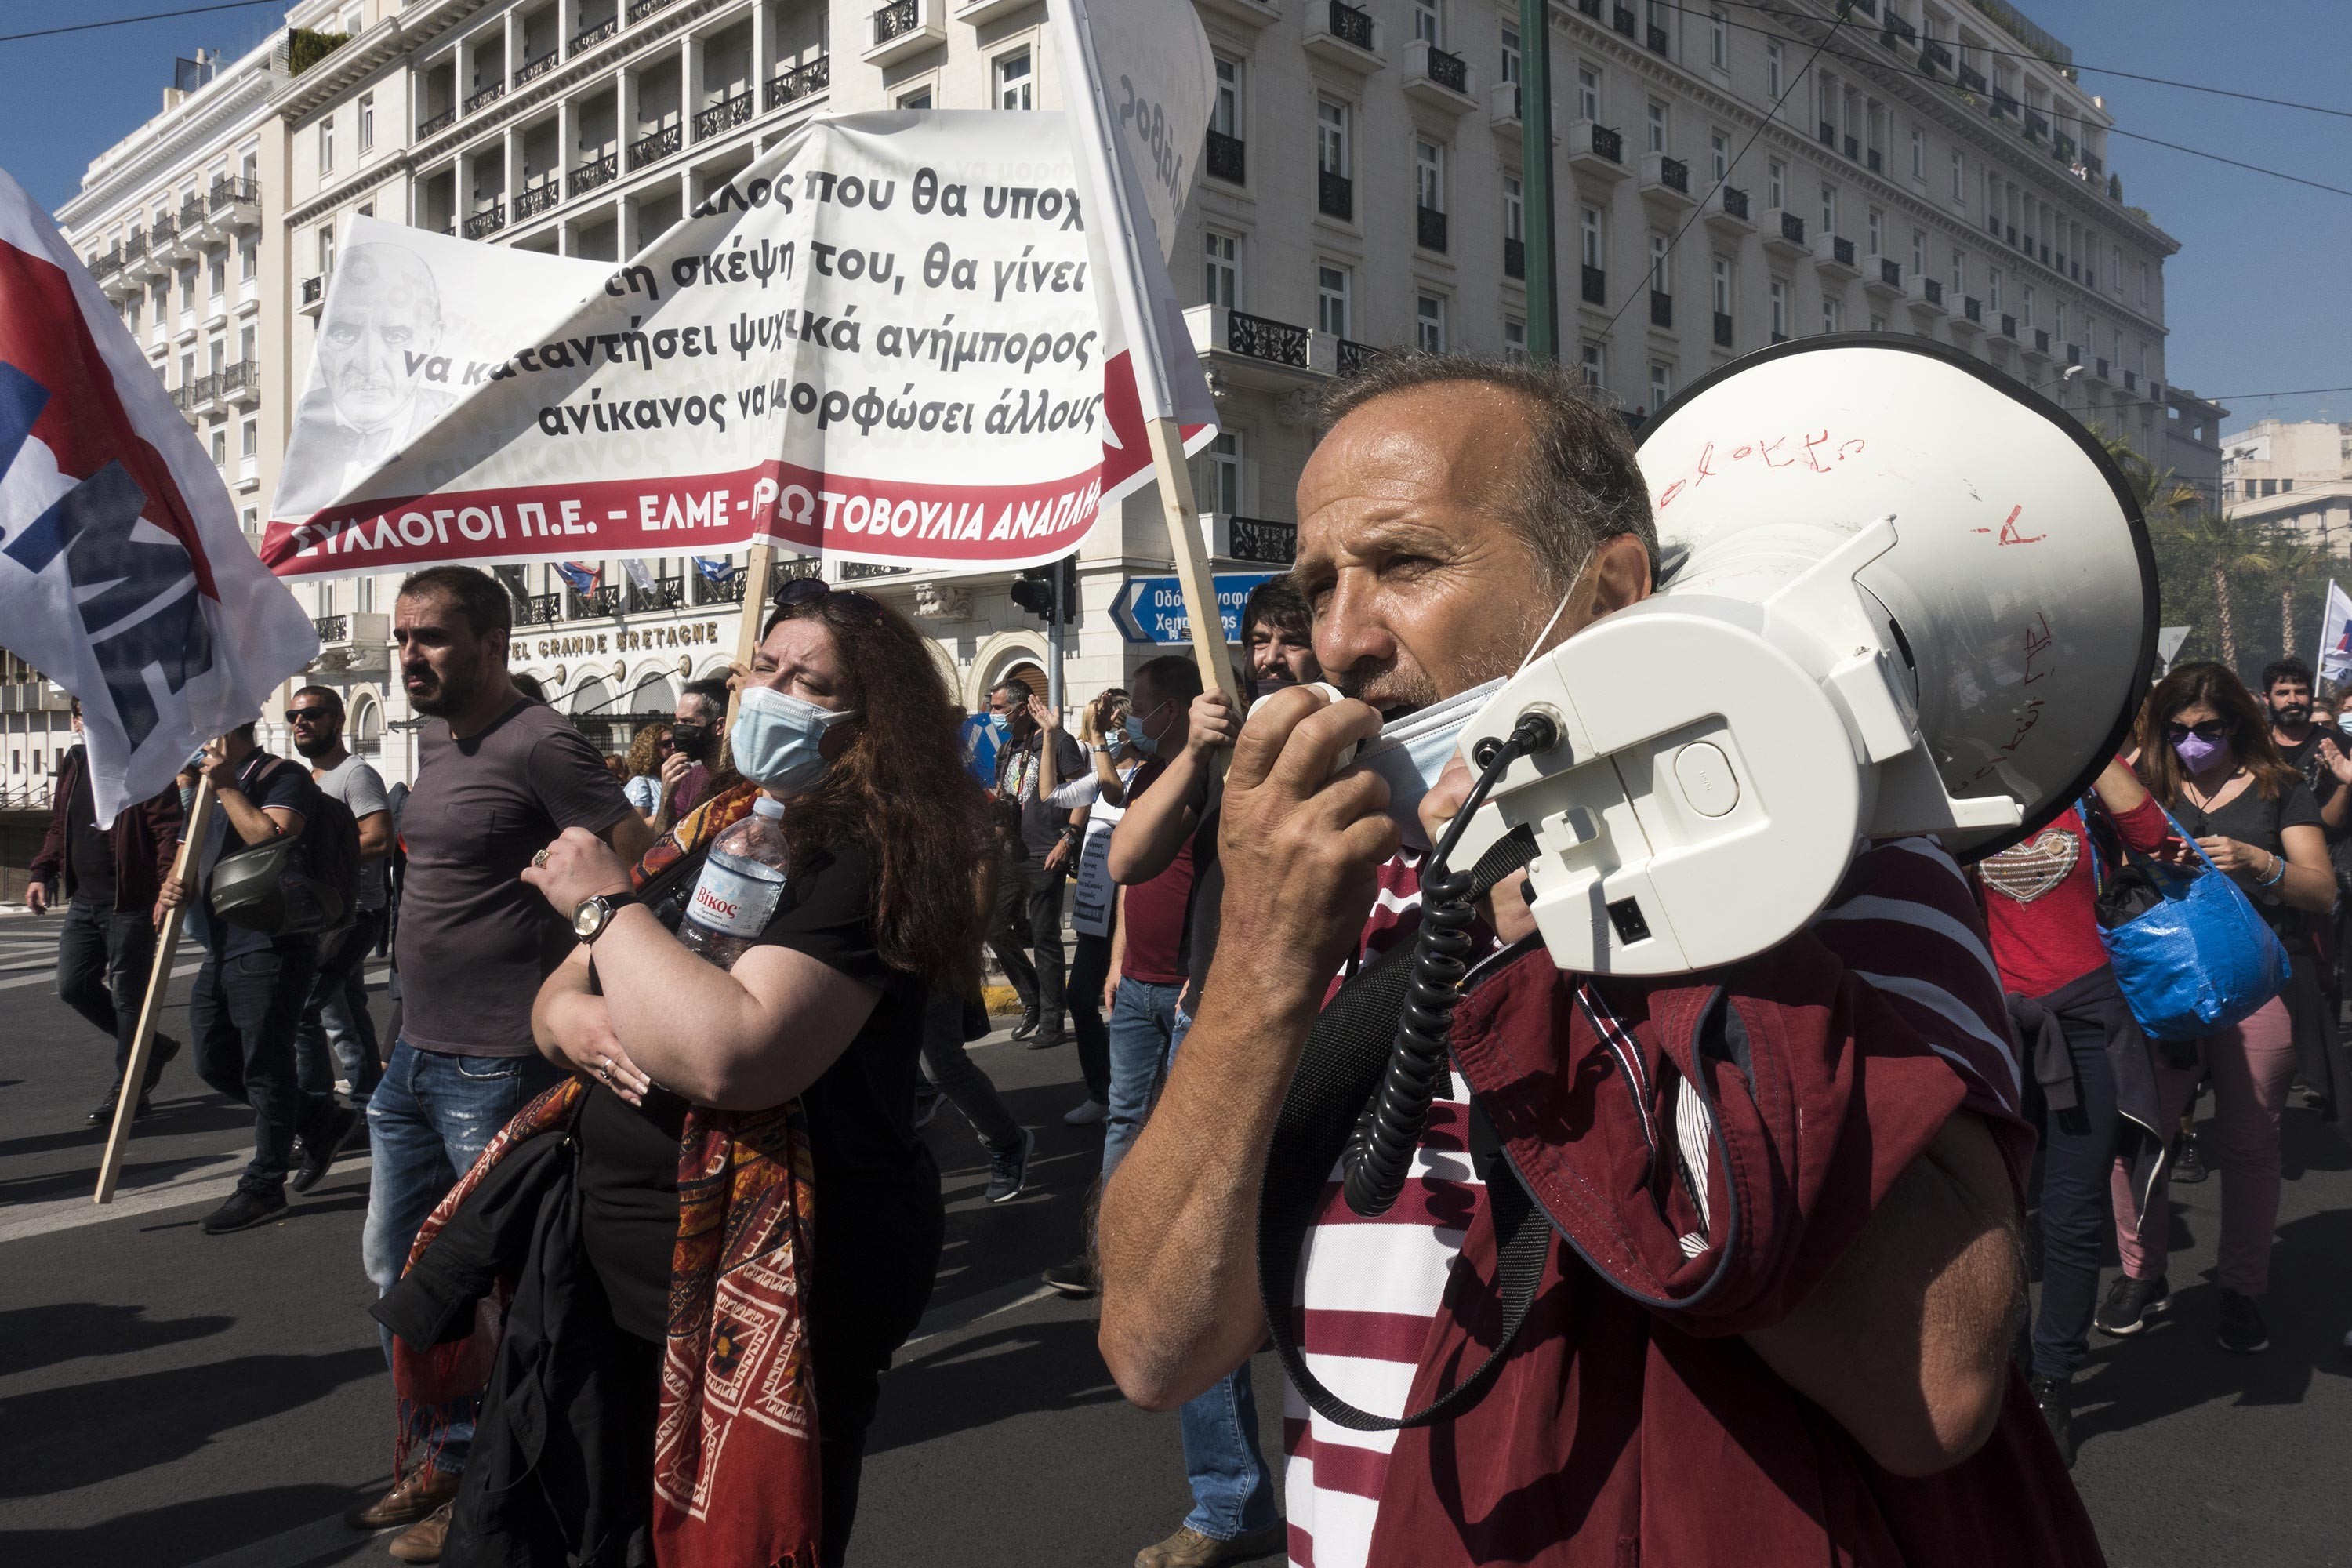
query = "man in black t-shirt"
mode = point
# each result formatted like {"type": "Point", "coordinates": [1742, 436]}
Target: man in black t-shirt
{"type": "Point", "coordinates": [248, 1000]}
{"type": "Point", "coordinates": [1028, 773]}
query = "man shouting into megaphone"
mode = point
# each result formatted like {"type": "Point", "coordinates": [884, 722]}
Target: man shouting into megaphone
{"type": "Point", "coordinates": [1780, 1200]}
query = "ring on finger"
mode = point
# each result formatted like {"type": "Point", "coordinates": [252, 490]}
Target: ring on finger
{"type": "Point", "coordinates": [540, 860]}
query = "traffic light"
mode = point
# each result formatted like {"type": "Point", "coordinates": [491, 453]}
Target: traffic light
{"type": "Point", "coordinates": [1033, 590]}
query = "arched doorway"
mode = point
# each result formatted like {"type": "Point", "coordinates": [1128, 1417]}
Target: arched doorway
{"type": "Point", "coordinates": [367, 728]}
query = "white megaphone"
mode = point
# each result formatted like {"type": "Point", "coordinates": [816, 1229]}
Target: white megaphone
{"type": "Point", "coordinates": [1903, 596]}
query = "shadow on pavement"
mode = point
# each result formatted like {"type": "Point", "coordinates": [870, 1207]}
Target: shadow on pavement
{"type": "Point", "coordinates": [206, 1113]}
{"type": "Point", "coordinates": [183, 1533]}
{"type": "Point", "coordinates": [74, 1436]}
{"type": "Point", "coordinates": [69, 1331]}
{"type": "Point", "coordinates": [1011, 1370]}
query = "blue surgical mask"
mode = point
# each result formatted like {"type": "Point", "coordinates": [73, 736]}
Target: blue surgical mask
{"type": "Point", "coordinates": [1139, 740]}
{"type": "Point", "coordinates": [776, 738]}
{"type": "Point", "coordinates": [1410, 752]}
{"type": "Point", "coordinates": [1000, 723]}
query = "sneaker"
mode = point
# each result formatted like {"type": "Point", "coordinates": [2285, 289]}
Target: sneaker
{"type": "Point", "coordinates": [1008, 1168]}
{"type": "Point", "coordinates": [423, 1541]}
{"type": "Point", "coordinates": [2056, 1398]}
{"type": "Point", "coordinates": [927, 1105]}
{"type": "Point", "coordinates": [319, 1153]}
{"type": "Point", "coordinates": [2129, 1305]}
{"type": "Point", "coordinates": [425, 1490]}
{"type": "Point", "coordinates": [2242, 1329]}
{"type": "Point", "coordinates": [159, 1055]}
{"type": "Point", "coordinates": [1027, 1025]}
{"type": "Point", "coordinates": [245, 1208]}
{"type": "Point", "coordinates": [1074, 1279]}
{"type": "Point", "coordinates": [1188, 1548]}
{"type": "Point", "coordinates": [1085, 1113]}
{"type": "Point", "coordinates": [2188, 1161]}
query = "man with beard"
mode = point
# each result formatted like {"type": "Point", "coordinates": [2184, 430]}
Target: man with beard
{"type": "Point", "coordinates": [2315, 751]}
{"type": "Point", "coordinates": [1032, 766]}
{"type": "Point", "coordinates": [1779, 1260]}
{"type": "Point", "coordinates": [337, 1030]}
{"type": "Point", "coordinates": [685, 772]}
{"type": "Point", "coordinates": [497, 778]}
{"type": "Point", "coordinates": [369, 403]}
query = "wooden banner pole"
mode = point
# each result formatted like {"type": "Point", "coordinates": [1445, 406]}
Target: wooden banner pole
{"type": "Point", "coordinates": [759, 581]}
{"type": "Point", "coordinates": [1192, 554]}
{"type": "Point", "coordinates": [158, 981]}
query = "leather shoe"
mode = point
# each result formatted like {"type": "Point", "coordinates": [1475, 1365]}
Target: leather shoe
{"type": "Point", "coordinates": [1026, 1026]}
{"type": "Point", "coordinates": [104, 1115]}
{"type": "Point", "coordinates": [426, 1489]}
{"type": "Point", "coordinates": [421, 1542]}
{"type": "Point", "coordinates": [159, 1053]}
{"type": "Point", "coordinates": [1188, 1548]}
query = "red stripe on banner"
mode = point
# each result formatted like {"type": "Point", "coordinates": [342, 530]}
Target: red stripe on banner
{"type": "Point", "coordinates": [44, 333]}
{"type": "Point", "coordinates": [887, 521]}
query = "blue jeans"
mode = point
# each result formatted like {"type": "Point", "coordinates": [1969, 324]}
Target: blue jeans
{"type": "Point", "coordinates": [242, 1015]}
{"type": "Point", "coordinates": [429, 1119]}
{"type": "Point", "coordinates": [1233, 1492]}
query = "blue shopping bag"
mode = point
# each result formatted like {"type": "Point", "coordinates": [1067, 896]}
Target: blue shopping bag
{"type": "Point", "coordinates": [2191, 954]}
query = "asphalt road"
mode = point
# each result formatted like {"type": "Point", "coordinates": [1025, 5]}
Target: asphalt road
{"type": "Point", "coordinates": [173, 1399]}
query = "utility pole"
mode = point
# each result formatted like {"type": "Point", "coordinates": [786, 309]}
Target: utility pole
{"type": "Point", "coordinates": [1055, 633]}
{"type": "Point", "coordinates": [1535, 179]}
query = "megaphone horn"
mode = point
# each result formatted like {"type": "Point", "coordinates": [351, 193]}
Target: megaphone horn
{"type": "Point", "coordinates": [1907, 595]}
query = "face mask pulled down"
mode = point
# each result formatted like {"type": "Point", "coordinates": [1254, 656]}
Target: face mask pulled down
{"type": "Point", "coordinates": [777, 739]}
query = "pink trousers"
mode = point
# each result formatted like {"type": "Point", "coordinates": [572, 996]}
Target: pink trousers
{"type": "Point", "coordinates": [2252, 1066]}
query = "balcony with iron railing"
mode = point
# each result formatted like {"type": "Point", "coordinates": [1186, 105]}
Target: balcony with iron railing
{"type": "Point", "coordinates": [1264, 338]}
{"type": "Point", "coordinates": [724, 115]}
{"type": "Point", "coordinates": [597, 601]}
{"type": "Point", "coordinates": [2009, 327]}
{"type": "Point", "coordinates": [1829, 136]}
{"type": "Point", "coordinates": [1227, 158]}
{"type": "Point", "coordinates": [1593, 285]}
{"type": "Point", "coordinates": [809, 77]}
{"type": "Point", "coordinates": [533, 69]}
{"type": "Point", "coordinates": [1874, 161]}
{"type": "Point", "coordinates": [587, 176]}
{"type": "Point", "coordinates": [331, 629]}
{"type": "Point", "coordinates": [641, 9]}
{"type": "Point", "coordinates": [589, 37]}
{"type": "Point", "coordinates": [1722, 329]}
{"type": "Point", "coordinates": [657, 146]}
{"type": "Point", "coordinates": [2041, 341]}
{"type": "Point", "coordinates": [229, 192]}
{"type": "Point", "coordinates": [1429, 230]}
{"type": "Point", "coordinates": [485, 221]}
{"type": "Point", "coordinates": [1515, 258]}
{"type": "Point", "coordinates": [729, 590]}
{"type": "Point", "coordinates": [538, 609]}
{"type": "Point", "coordinates": [1335, 195]}
{"type": "Point", "coordinates": [314, 291]}
{"type": "Point", "coordinates": [532, 200]}
{"type": "Point", "coordinates": [1449, 71]}
{"type": "Point", "coordinates": [434, 124]}
{"type": "Point", "coordinates": [1973, 80]}
{"type": "Point", "coordinates": [486, 96]}
{"type": "Point", "coordinates": [1596, 148]}
{"type": "Point", "coordinates": [1935, 56]}
{"type": "Point", "coordinates": [904, 30]}
{"type": "Point", "coordinates": [661, 593]}
{"type": "Point", "coordinates": [1256, 539]}
{"type": "Point", "coordinates": [1337, 22]}
{"type": "Point", "coordinates": [1729, 206]}
{"type": "Point", "coordinates": [1622, 18]}
{"type": "Point", "coordinates": [1661, 308]}
{"type": "Point", "coordinates": [235, 380]}
{"type": "Point", "coordinates": [1353, 357]}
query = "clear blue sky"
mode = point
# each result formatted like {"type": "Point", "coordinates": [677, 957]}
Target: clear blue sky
{"type": "Point", "coordinates": [2261, 293]}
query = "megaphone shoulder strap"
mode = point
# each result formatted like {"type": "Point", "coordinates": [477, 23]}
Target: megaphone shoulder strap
{"type": "Point", "coordinates": [1346, 1055]}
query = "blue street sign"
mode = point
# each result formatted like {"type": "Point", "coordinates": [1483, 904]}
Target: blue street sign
{"type": "Point", "coordinates": [1152, 609]}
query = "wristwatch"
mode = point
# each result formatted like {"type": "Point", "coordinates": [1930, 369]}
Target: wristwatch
{"type": "Point", "coordinates": [592, 915]}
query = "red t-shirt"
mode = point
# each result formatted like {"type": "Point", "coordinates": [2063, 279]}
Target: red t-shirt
{"type": "Point", "coordinates": [2038, 897]}
{"type": "Point", "coordinates": [1155, 910]}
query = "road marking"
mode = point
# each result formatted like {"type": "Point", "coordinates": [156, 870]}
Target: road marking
{"type": "Point", "coordinates": [292, 1548]}
{"type": "Point", "coordinates": [182, 972]}
{"type": "Point", "coordinates": [206, 1184]}
{"type": "Point", "coordinates": [971, 1310]}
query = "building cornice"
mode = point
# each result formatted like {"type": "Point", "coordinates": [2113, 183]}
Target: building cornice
{"type": "Point", "coordinates": [336, 74]}
{"type": "Point", "coordinates": [221, 119]}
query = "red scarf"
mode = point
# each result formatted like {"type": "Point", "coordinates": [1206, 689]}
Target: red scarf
{"type": "Point", "coordinates": [735, 1451]}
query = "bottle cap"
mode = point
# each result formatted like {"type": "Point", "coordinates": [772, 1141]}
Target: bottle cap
{"type": "Point", "coordinates": [769, 807]}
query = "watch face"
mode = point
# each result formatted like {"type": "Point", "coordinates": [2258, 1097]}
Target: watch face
{"type": "Point", "coordinates": [588, 919]}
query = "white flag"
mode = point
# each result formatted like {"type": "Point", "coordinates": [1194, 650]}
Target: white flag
{"type": "Point", "coordinates": [1139, 81]}
{"type": "Point", "coordinates": [123, 575]}
{"type": "Point", "coordinates": [2335, 637]}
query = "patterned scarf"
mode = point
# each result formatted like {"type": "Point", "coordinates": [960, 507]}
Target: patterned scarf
{"type": "Point", "coordinates": [735, 1450]}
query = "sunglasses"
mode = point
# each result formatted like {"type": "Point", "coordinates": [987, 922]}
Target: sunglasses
{"type": "Point", "coordinates": [305, 715]}
{"type": "Point", "coordinates": [2212, 730]}
{"type": "Point", "coordinates": [803, 594]}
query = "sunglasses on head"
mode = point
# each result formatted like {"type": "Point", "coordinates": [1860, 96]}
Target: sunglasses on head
{"type": "Point", "coordinates": [2212, 730]}
{"type": "Point", "coordinates": [802, 593]}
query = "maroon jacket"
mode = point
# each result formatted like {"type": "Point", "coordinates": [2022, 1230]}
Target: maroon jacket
{"type": "Point", "coordinates": [146, 837]}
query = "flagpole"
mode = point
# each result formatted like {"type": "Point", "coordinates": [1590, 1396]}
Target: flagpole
{"type": "Point", "coordinates": [158, 981]}
{"type": "Point", "coordinates": [759, 574]}
{"type": "Point", "coordinates": [1206, 621]}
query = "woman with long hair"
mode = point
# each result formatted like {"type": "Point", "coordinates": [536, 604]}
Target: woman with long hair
{"type": "Point", "coordinates": [757, 1225]}
{"type": "Point", "coordinates": [641, 778]}
{"type": "Point", "coordinates": [2205, 753]}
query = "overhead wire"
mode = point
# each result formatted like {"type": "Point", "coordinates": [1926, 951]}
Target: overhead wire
{"type": "Point", "coordinates": [126, 21]}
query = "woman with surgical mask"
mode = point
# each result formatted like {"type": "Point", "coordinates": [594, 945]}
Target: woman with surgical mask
{"type": "Point", "coordinates": [2206, 754]}
{"type": "Point", "coordinates": [788, 1076]}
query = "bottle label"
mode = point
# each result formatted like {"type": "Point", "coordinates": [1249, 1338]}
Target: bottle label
{"type": "Point", "coordinates": [729, 902]}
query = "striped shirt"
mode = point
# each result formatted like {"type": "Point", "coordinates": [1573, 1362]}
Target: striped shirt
{"type": "Point", "coordinates": [1903, 921]}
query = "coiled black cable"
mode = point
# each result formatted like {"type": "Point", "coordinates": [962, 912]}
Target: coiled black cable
{"type": "Point", "coordinates": [1379, 1154]}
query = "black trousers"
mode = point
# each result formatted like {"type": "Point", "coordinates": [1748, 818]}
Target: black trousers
{"type": "Point", "coordinates": [1090, 967]}
{"type": "Point", "coordinates": [103, 960]}
{"type": "Point", "coordinates": [1008, 934]}
{"type": "Point", "coordinates": [957, 1075]}
{"type": "Point", "coordinates": [241, 1016]}
{"type": "Point", "coordinates": [1045, 891]}
{"type": "Point", "coordinates": [2078, 1148]}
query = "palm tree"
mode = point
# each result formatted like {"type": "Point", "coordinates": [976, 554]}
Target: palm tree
{"type": "Point", "coordinates": [2295, 557]}
{"type": "Point", "coordinates": [2184, 528]}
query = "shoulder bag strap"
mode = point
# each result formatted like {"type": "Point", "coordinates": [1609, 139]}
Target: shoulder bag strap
{"type": "Point", "coordinates": [1346, 1055]}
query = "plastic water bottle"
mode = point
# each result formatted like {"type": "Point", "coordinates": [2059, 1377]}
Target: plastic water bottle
{"type": "Point", "coordinates": [741, 883]}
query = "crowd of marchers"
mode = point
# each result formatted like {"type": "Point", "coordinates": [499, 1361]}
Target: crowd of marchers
{"type": "Point", "coordinates": [665, 1028]}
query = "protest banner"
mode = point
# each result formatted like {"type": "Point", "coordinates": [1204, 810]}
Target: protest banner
{"type": "Point", "coordinates": [880, 341]}
{"type": "Point", "coordinates": [2335, 637]}
{"type": "Point", "coordinates": [1140, 80]}
{"type": "Point", "coordinates": [123, 574]}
